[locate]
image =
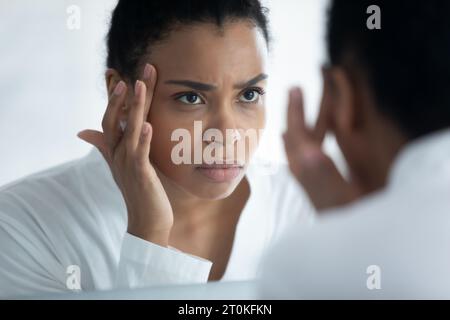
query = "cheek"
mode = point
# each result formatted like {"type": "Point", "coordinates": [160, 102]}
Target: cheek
{"type": "Point", "coordinates": [165, 121]}
{"type": "Point", "coordinates": [262, 118]}
{"type": "Point", "coordinates": [253, 117]}
{"type": "Point", "coordinates": [163, 124]}
{"type": "Point", "coordinates": [161, 152]}
{"type": "Point", "coordinates": [254, 120]}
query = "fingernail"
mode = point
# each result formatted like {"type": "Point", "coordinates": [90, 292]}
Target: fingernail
{"type": "Point", "coordinates": [147, 71]}
{"type": "Point", "coordinates": [81, 137]}
{"type": "Point", "coordinates": [294, 92]}
{"type": "Point", "coordinates": [291, 94]}
{"type": "Point", "coordinates": [119, 88]}
{"type": "Point", "coordinates": [137, 87]}
{"type": "Point", "coordinates": [145, 128]}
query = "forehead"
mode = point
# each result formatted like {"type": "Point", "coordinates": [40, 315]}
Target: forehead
{"type": "Point", "coordinates": [210, 53]}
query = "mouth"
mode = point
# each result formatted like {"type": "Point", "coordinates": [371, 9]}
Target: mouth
{"type": "Point", "coordinates": [220, 172]}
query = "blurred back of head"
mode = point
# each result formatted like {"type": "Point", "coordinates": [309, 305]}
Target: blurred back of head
{"type": "Point", "coordinates": [406, 63]}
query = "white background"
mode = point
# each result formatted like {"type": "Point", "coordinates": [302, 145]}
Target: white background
{"type": "Point", "coordinates": [52, 84]}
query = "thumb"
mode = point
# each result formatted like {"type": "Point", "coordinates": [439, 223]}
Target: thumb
{"type": "Point", "coordinates": [97, 139]}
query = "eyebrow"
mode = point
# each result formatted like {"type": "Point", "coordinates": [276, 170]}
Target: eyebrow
{"type": "Point", "coordinates": [193, 85]}
{"type": "Point", "coordinates": [209, 87]}
{"type": "Point", "coordinates": [251, 82]}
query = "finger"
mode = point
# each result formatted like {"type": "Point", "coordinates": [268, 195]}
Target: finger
{"type": "Point", "coordinates": [295, 115]}
{"type": "Point", "coordinates": [321, 126]}
{"type": "Point", "coordinates": [135, 117]}
{"type": "Point", "coordinates": [110, 119]}
{"type": "Point", "coordinates": [97, 139]}
{"type": "Point", "coordinates": [149, 78]}
{"type": "Point", "coordinates": [293, 154]}
{"type": "Point", "coordinates": [143, 150]}
{"type": "Point", "coordinates": [291, 145]}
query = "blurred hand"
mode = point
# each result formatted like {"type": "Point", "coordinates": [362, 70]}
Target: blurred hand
{"type": "Point", "coordinates": [150, 215]}
{"type": "Point", "coordinates": [315, 171]}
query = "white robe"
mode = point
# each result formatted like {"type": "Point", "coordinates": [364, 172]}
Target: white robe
{"type": "Point", "coordinates": [74, 215]}
{"type": "Point", "coordinates": [394, 244]}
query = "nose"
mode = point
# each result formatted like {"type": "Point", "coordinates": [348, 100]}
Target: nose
{"type": "Point", "coordinates": [224, 120]}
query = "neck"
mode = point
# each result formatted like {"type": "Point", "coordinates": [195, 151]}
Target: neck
{"type": "Point", "coordinates": [387, 141]}
{"type": "Point", "coordinates": [191, 211]}
{"type": "Point", "coordinates": [185, 206]}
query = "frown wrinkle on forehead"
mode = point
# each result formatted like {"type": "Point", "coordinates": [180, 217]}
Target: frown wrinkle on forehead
{"type": "Point", "coordinates": [199, 54]}
{"type": "Point", "coordinates": [209, 87]}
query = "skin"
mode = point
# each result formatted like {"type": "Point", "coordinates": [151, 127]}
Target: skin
{"type": "Point", "coordinates": [368, 140]}
{"type": "Point", "coordinates": [177, 205]}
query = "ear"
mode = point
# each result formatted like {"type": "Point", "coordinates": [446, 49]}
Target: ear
{"type": "Point", "coordinates": [340, 99]}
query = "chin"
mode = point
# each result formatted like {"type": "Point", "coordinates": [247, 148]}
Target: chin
{"type": "Point", "coordinates": [209, 186]}
{"type": "Point", "coordinates": [213, 192]}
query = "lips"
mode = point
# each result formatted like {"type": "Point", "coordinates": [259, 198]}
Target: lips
{"type": "Point", "coordinates": [220, 172]}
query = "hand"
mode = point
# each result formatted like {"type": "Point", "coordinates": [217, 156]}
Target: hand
{"type": "Point", "coordinates": [150, 215]}
{"type": "Point", "coordinates": [315, 171]}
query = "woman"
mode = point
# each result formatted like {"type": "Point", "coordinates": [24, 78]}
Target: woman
{"type": "Point", "coordinates": [116, 219]}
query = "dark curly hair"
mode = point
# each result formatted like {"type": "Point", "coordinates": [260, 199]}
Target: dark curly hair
{"type": "Point", "coordinates": [138, 24]}
{"type": "Point", "coordinates": [407, 61]}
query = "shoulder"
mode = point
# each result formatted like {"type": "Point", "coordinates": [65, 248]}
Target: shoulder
{"type": "Point", "coordinates": [53, 188]}
{"type": "Point", "coordinates": [60, 203]}
{"type": "Point", "coordinates": [72, 199]}
{"type": "Point", "coordinates": [65, 186]}
{"type": "Point", "coordinates": [386, 233]}
{"type": "Point", "coordinates": [68, 214]}
{"type": "Point", "coordinates": [30, 211]}
{"type": "Point", "coordinates": [40, 188]}
{"type": "Point", "coordinates": [319, 262]}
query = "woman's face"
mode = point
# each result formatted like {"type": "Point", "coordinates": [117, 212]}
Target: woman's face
{"type": "Point", "coordinates": [216, 76]}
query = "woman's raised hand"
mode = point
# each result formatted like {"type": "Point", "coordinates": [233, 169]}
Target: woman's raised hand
{"type": "Point", "coordinates": [315, 171]}
{"type": "Point", "coordinates": [127, 152]}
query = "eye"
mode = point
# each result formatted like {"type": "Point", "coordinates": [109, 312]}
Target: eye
{"type": "Point", "coordinates": [190, 98]}
{"type": "Point", "coordinates": [251, 95]}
